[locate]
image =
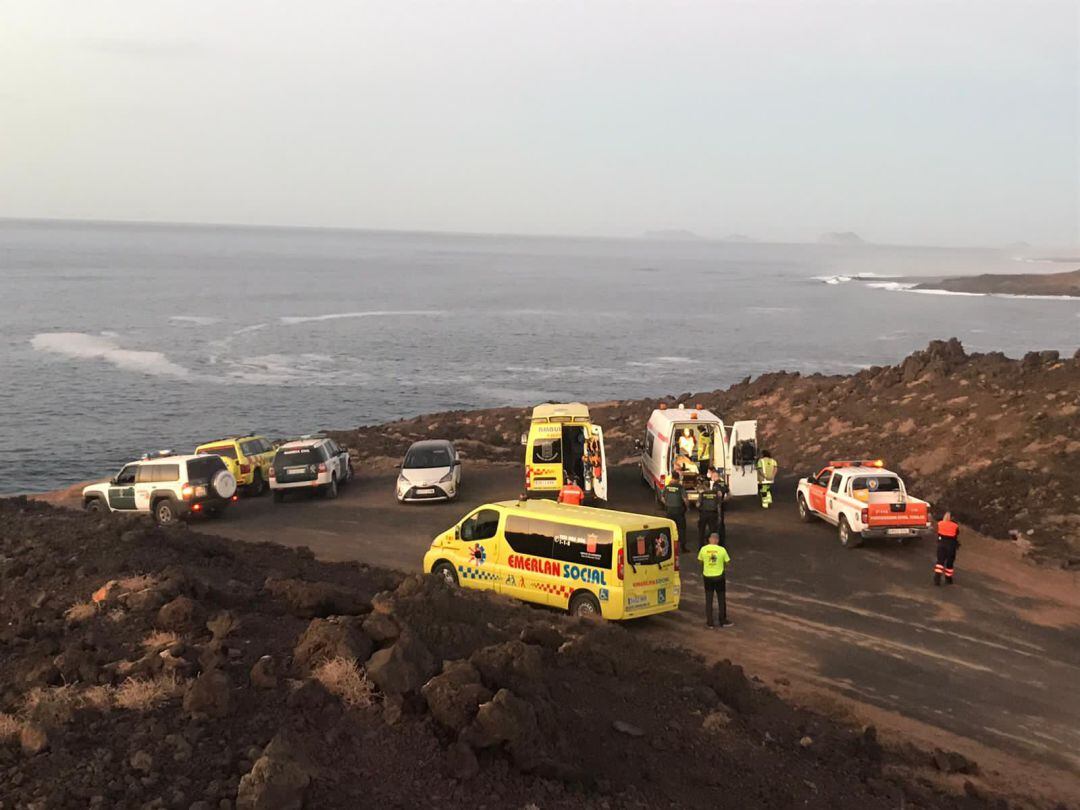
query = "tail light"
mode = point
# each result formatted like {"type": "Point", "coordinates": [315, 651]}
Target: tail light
{"type": "Point", "coordinates": [245, 469]}
{"type": "Point", "coordinates": [621, 567]}
{"type": "Point", "coordinates": [866, 516]}
{"type": "Point", "coordinates": [186, 491]}
{"type": "Point", "coordinates": [322, 467]}
{"type": "Point", "coordinates": [235, 497]}
{"type": "Point", "coordinates": [272, 473]}
{"type": "Point", "coordinates": [197, 507]}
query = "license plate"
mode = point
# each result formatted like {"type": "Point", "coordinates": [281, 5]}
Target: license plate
{"type": "Point", "coordinates": [426, 491]}
{"type": "Point", "coordinates": [899, 531]}
{"type": "Point", "coordinates": [295, 470]}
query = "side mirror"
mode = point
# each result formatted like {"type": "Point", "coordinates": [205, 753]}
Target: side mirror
{"type": "Point", "coordinates": [524, 439]}
{"type": "Point", "coordinates": [638, 444]}
{"type": "Point", "coordinates": [457, 462]}
{"type": "Point", "coordinates": [457, 532]}
{"type": "Point", "coordinates": [112, 481]}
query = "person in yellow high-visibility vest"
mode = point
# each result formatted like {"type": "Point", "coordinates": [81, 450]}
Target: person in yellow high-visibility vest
{"type": "Point", "coordinates": [704, 451]}
{"type": "Point", "coordinates": [766, 470]}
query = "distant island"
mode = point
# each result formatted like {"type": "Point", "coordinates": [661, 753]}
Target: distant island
{"type": "Point", "coordinates": [841, 238]}
{"type": "Point", "coordinates": [1064, 284]}
{"type": "Point", "coordinates": [673, 235]}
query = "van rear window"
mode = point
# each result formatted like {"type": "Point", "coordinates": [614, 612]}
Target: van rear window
{"type": "Point", "coordinates": [219, 450]}
{"type": "Point", "coordinates": [648, 547]}
{"type": "Point", "coordinates": [203, 469]}
{"type": "Point", "coordinates": [559, 541]}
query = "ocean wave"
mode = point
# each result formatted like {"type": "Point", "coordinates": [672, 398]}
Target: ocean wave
{"type": "Point", "coordinates": [844, 278]}
{"type": "Point", "coordinates": [657, 362]}
{"type": "Point", "coordinates": [892, 286]}
{"type": "Point", "coordinates": [81, 346]}
{"type": "Point", "coordinates": [292, 320]}
{"type": "Point", "coordinates": [194, 320]}
{"type": "Point", "coordinates": [255, 327]}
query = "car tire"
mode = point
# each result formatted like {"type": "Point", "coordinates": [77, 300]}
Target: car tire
{"type": "Point", "coordinates": [258, 484]}
{"type": "Point", "coordinates": [165, 512]}
{"type": "Point", "coordinates": [330, 491]}
{"type": "Point", "coordinates": [95, 506]}
{"type": "Point", "coordinates": [447, 572]}
{"type": "Point", "coordinates": [848, 538]}
{"type": "Point", "coordinates": [805, 515]}
{"type": "Point", "coordinates": [224, 484]}
{"type": "Point", "coordinates": [584, 604]}
{"type": "Point", "coordinates": [279, 496]}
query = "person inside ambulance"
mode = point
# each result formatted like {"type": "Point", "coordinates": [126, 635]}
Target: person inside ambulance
{"type": "Point", "coordinates": [686, 443]}
{"type": "Point", "coordinates": [704, 450]}
{"type": "Point", "coordinates": [594, 458]}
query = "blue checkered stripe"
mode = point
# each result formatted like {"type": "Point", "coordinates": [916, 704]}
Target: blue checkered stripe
{"type": "Point", "coordinates": [476, 573]}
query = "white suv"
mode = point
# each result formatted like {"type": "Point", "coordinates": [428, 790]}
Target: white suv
{"type": "Point", "coordinates": [313, 463]}
{"type": "Point", "coordinates": [166, 486]}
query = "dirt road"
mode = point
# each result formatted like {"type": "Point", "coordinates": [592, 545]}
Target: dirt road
{"type": "Point", "coordinates": [988, 667]}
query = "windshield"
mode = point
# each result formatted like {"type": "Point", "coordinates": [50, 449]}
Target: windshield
{"type": "Point", "coordinates": [219, 450]}
{"type": "Point", "coordinates": [876, 483]}
{"type": "Point", "coordinates": [297, 457]}
{"type": "Point", "coordinates": [419, 458]}
{"type": "Point", "coordinates": [202, 469]}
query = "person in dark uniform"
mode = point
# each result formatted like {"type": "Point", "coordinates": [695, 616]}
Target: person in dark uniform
{"type": "Point", "coordinates": [948, 541]}
{"type": "Point", "coordinates": [675, 503]}
{"type": "Point", "coordinates": [710, 504]}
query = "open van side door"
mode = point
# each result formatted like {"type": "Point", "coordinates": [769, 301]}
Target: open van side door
{"type": "Point", "coordinates": [600, 482]}
{"type": "Point", "coordinates": [742, 455]}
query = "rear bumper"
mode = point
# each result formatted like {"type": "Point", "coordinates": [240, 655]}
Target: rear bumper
{"type": "Point", "coordinates": [311, 483]}
{"type": "Point", "coordinates": [199, 506]}
{"type": "Point", "coordinates": [894, 532]}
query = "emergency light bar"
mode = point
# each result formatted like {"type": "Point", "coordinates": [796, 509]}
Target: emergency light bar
{"type": "Point", "coordinates": [877, 462]}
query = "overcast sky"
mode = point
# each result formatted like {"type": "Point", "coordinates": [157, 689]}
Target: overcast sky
{"type": "Point", "coordinates": [911, 122]}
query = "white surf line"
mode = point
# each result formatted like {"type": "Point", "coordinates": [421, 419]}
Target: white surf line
{"type": "Point", "coordinates": [292, 320]}
{"type": "Point", "coordinates": [783, 595]}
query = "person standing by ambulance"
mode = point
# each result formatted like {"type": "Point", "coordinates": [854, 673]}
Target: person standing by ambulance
{"type": "Point", "coordinates": [571, 493]}
{"type": "Point", "coordinates": [675, 504]}
{"type": "Point", "coordinates": [948, 541]}
{"type": "Point", "coordinates": [766, 469]}
{"type": "Point", "coordinates": [714, 559]}
{"type": "Point", "coordinates": [710, 504]}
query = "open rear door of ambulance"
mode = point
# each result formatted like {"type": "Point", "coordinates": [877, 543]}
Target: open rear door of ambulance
{"type": "Point", "coordinates": [600, 482]}
{"type": "Point", "coordinates": [742, 451]}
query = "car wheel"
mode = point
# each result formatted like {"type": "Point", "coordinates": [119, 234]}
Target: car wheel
{"type": "Point", "coordinates": [848, 538]}
{"type": "Point", "coordinates": [279, 496]}
{"type": "Point", "coordinates": [584, 604]}
{"type": "Point", "coordinates": [94, 506]}
{"type": "Point", "coordinates": [447, 572]}
{"type": "Point", "coordinates": [804, 511]}
{"type": "Point", "coordinates": [258, 484]}
{"type": "Point", "coordinates": [330, 491]}
{"type": "Point", "coordinates": [165, 512]}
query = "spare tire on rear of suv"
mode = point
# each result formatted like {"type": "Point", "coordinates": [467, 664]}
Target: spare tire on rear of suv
{"type": "Point", "coordinates": [223, 483]}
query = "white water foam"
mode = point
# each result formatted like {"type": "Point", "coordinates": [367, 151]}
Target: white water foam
{"type": "Point", "coordinates": [292, 320]}
{"type": "Point", "coordinates": [194, 320]}
{"type": "Point", "coordinates": [81, 346]}
{"type": "Point", "coordinates": [255, 327]}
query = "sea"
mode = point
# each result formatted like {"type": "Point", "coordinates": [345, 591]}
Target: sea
{"type": "Point", "coordinates": [120, 339]}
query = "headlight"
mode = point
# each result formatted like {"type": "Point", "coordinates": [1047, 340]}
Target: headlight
{"type": "Point", "coordinates": [447, 478]}
{"type": "Point", "coordinates": [402, 482]}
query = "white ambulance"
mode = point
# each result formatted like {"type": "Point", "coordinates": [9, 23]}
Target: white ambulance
{"type": "Point", "coordinates": [691, 440]}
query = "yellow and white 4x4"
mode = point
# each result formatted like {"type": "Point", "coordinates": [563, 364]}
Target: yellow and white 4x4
{"type": "Point", "coordinates": [247, 457]}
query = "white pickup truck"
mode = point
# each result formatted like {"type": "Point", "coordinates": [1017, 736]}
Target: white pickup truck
{"type": "Point", "coordinates": [863, 501]}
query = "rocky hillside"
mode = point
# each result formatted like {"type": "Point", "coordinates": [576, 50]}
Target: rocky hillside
{"type": "Point", "coordinates": [150, 668]}
{"type": "Point", "coordinates": [1067, 284]}
{"type": "Point", "coordinates": [994, 439]}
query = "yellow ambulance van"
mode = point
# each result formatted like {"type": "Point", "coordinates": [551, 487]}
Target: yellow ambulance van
{"type": "Point", "coordinates": [586, 561]}
{"type": "Point", "coordinates": [563, 444]}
